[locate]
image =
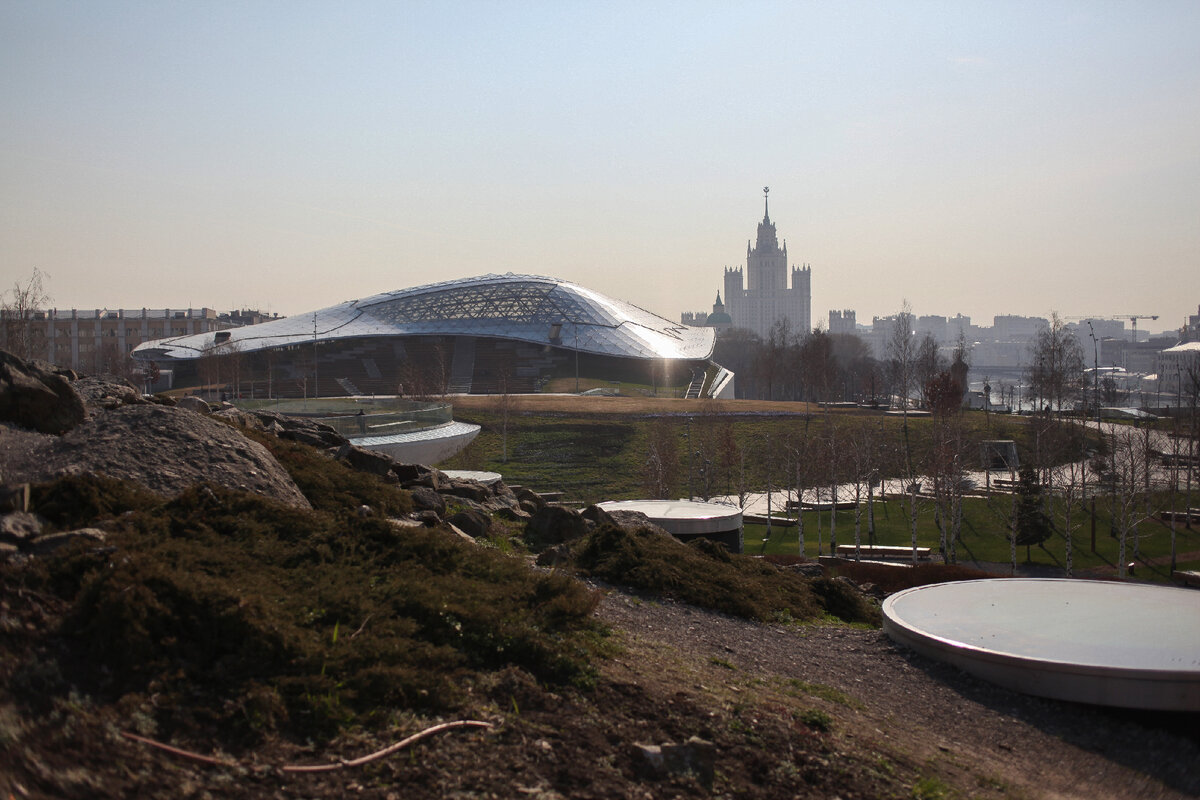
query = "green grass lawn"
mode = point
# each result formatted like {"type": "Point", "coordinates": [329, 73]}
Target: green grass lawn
{"type": "Point", "coordinates": [985, 537]}
{"type": "Point", "coordinates": [597, 457]}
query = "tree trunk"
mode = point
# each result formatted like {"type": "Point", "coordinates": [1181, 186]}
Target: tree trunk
{"type": "Point", "coordinates": [912, 511]}
{"type": "Point", "coordinates": [833, 518]}
{"type": "Point", "coordinates": [858, 519]}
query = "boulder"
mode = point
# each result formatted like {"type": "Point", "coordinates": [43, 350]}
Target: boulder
{"type": "Point", "coordinates": [107, 392]}
{"type": "Point", "coordinates": [694, 758]}
{"type": "Point", "coordinates": [517, 514]}
{"type": "Point", "coordinates": [597, 516]}
{"type": "Point", "coordinates": [300, 429]}
{"type": "Point", "coordinates": [474, 523]}
{"type": "Point", "coordinates": [236, 416]}
{"type": "Point", "coordinates": [409, 472]}
{"type": "Point", "coordinates": [553, 525]}
{"type": "Point", "coordinates": [426, 499]}
{"type": "Point", "coordinates": [20, 527]}
{"type": "Point", "coordinates": [530, 500]}
{"type": "Point", "coordinates": [634, 521]}
{"type": "Point", "coordinates": [364, 460]}
{"type": "Point", "coordinates": [459, 533]}
{"type": "Point", "coordinates": [429, 519]}
{"type": "Point", "coordinates": [44, 545]}
{"type": "Point", "coordinates": [37, 398]}
{"type": "Point", "coordinates": [313, 437]}
{"type": "Point", "coordinates": [166, 450]}
{"type": "Point", "coordinates": [472, 490]}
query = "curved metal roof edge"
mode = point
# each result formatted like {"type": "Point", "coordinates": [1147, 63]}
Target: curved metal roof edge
{"type": "Point", "coordinates": [350, 318]}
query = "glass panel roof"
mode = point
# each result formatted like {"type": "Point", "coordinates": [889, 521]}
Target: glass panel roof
{"type": "Point", "coordinates": [524, 307]}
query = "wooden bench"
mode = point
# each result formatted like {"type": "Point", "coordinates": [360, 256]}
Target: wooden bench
{"type": "Point", "coordinates": [1189, 577]}
{"type": "Point", "coordinates": [1191, 515]}
{"type": "Point", "coordinates": [883, 551]}
{"type": "Point", "coordinates": [776, 522]}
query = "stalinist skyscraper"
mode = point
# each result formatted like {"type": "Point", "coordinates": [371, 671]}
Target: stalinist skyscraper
{"type": "Point", "coordinates": [766, 297]}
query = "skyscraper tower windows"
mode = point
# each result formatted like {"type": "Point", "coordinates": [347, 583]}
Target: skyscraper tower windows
{"type": "Point", "coordinates": [766, 297]}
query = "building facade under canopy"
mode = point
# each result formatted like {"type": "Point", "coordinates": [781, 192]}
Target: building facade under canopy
{"type": "Point", "coordinates": [487, 334]}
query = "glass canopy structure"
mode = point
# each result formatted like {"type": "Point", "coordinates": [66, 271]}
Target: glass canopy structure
{"type": "Point", "coordinates": [524, 308]}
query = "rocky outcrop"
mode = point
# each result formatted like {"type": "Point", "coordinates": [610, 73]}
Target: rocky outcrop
{"type": "Point", "coordinates": [34, 395]}
{"type": "Point", "coordinates": [106, 392]}
{"type": "Point", "coordinates": [23, 533]}
{"type": "Point", "coordinates": [167, 446]}
{"type": "Point", "coordinates": [164, 449]}
{"type": "Point", "coordinates": [192, 403]}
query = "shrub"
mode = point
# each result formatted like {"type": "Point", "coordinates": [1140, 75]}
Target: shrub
{"type": "Point", "coordinates": [75, 501]}
{"type": "Point", "coordinates": [332, 485]}
{"type": "Point", "coordinates": [244, 615]}
{"type": "Point", "coordinates": [704, 574]}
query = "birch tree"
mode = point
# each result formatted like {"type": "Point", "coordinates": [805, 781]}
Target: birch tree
{"type": "Point", "coordinates": [20, 308]}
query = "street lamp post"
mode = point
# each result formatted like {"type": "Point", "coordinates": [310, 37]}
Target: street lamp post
{"type": "Point", "coordinates": [1095, 373]}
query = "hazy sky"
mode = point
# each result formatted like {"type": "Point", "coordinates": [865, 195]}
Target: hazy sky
{"type": "Point", "coordinates": [982, 158]}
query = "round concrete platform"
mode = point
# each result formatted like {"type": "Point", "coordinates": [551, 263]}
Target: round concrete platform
{"type": "Point", "coordinates": [1116, 644]}
{"type": "Point", "coordinates": [479, 476]}
{"type": "Point", "coordinates": [682, 517]}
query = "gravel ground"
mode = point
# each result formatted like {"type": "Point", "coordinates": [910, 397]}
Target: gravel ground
{"type": "Point", "coordinates": [907, 705]}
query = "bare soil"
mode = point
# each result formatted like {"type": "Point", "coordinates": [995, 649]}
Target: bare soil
{"type": "Point", "coordinates": [922, 716]}
{"type": "Point", "coordinates": [794, 711]}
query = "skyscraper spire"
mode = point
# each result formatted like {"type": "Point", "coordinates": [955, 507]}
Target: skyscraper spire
{"type": "Point", "coordinates": [766, 205]}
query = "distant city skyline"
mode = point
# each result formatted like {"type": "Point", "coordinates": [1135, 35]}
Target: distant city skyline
{"type": "Point", "coordinates": [983, 159]}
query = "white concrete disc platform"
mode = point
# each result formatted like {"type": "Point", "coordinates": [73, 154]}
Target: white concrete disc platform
{"type": "Point", "coordinates": [479, 476]}
{"type": "Point", "coordinates": [1108, 643]}
{"type": "Point", "coordinates": [426, 446]}
{"type": "Point", "coordinates": [683, 517]}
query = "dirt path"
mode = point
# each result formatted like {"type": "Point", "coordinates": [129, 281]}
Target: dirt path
{"type": "Point", "coordinates": [913, 711]}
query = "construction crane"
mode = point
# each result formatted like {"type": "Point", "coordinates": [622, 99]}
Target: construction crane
{"type": "Point", "coordinates": [1133, 319]}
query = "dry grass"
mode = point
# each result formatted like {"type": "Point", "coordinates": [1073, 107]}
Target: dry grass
{"type": "Point", "coordinates": [572, 404]}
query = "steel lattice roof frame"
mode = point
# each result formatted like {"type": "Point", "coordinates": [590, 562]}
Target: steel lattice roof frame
{"type": "Point", "coordinates": [530, 308]}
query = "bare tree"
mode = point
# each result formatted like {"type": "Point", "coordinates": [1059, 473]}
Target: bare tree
{"type": "Point", "coordinates": [835, 460]}
{"type": "Point", "coordinates": [232, 364]}
{"type": "Point", "coordinates": [662, 459]}
{"type": "Point", "coordinates": [864, 464]}
{"type": "Point", "coordinates": [1192, 386]}
{"type": "Point", "coordinates": [901, 355]}
{"type": "Point", "coordinates": [818, 367]}
{"type": "Point", "coordinates": [771, 364]}
{"type": "Point", "coordinates": [927, 365]}
{"type": "Point", "coordinates": [946, 457]}
{"type": "Point", "coordinates": [150, 373]}
{"type": "Point", "coordinates": [1056, 364]}
{"type": "Point", "coordinates": [802, 452]}
{"type": "Point", "coordinates": [20, 308]}
{"type": "Point", "coordinates": [1130, 499]}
